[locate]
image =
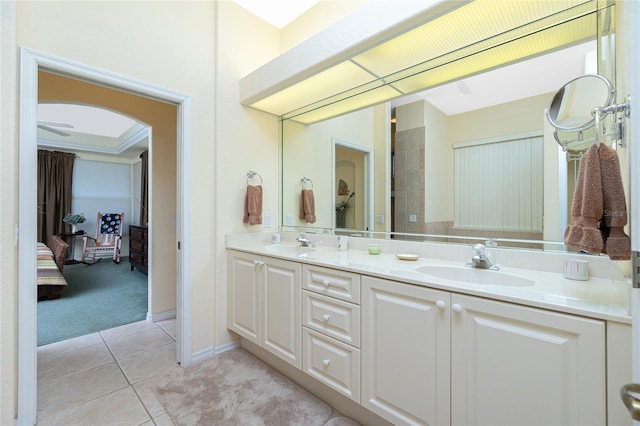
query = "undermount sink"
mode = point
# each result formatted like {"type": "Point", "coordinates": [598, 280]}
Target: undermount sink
{"type": "Point", "coordinates": [294, 250]}
{"type": "Point", "coordinates": [475, 275]}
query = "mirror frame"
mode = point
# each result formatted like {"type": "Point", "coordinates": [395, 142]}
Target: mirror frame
{"type": "Point", "coordinates": [556, 104]}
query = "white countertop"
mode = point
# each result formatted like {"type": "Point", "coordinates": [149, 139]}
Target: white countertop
{"type": "Point", "coordinates": [600, 297]}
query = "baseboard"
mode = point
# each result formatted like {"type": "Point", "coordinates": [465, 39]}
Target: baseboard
{"type": "Point", "coordinates": [212, 351]}
{"type": "Point", "coordinates": [227, 346]}
{"type": "Point", "coordinates": [161, 316]}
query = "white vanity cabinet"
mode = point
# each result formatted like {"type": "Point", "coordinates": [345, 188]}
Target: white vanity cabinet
{"type": "Point", "coordinates": [264, 303]}
{"type": "Point", "coordinates": [434, 357]}
{"type": "Point", "coordinates": [331, 328]}
{"type": "Point", "coordinates": [405, 352]}
{"type": "Point", "coordinates": [516, 365]}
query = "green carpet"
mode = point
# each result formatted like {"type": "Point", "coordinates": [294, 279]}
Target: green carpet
{"type": "Point", "coordinates": [97, 297]}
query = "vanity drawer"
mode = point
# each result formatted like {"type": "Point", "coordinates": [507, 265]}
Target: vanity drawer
{"type": "Point", "coordinates": [332, 317]}
{"type": "Point", "coordinates": [332, 362]}
{"type": "Point", "coordinates": [331, 282]}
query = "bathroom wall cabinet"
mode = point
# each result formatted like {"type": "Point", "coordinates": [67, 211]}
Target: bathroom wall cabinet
{"type": "Point", "coordinates": [501, 363]}
{"type": "Point", "coordinates": [264, 303]}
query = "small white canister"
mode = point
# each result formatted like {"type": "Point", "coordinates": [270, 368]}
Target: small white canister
{"type": "Point", "coordinates": [275, 238]}
{"type": "Point", "coordinates": [576, 269]}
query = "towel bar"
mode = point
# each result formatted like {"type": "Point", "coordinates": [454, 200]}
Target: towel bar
{"type": "Point", "coordinates": [304, 180]}
{"type": "Point", "coordinates": [251, 174]}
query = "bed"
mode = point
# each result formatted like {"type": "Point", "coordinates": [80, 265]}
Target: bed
{"type": "Point", "coordinates": [51, 259]}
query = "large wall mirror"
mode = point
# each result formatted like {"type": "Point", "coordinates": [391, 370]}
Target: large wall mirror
{"type": "Point", "coordinates": [466, 161]}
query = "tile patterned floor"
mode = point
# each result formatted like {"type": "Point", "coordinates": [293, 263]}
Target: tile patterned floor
{"type": "Point", "coordinates": [105, 378]}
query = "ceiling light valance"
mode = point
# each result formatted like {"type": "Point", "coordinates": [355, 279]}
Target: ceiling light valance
{"type": "Point", "coordinates": [495, 33]}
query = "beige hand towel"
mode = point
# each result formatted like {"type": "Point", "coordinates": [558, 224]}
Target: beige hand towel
{"type": "Point", "coordinates": [616, 243]}
{"type": "Point", "coordinates": [253, 205]}
{"type": "Point", "coordinates": [307, 206]}
{"type": "Point", "coordinates": [587, 209]}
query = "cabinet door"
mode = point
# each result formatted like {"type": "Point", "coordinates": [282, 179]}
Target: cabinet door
{"type": "Point", "coordinates": [405, 352]}
{"type": "Point", "coordinates": [514, 365]}
{"type": "Point", "coordinates": [281, 323]}
{"type": "Point", "coordinates": [243, 310]}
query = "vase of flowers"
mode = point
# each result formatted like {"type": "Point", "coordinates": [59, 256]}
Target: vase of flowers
{"type": "Point", "coordinates": [341, 210]}
{"type": "Point", "coordinates": [73, 220]}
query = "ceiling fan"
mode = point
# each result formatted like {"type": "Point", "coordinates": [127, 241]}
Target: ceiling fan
{"type": "Point", "coordinates": [46, 126]}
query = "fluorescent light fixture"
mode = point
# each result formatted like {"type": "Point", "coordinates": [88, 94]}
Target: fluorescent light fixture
{"type": "Point", "coordinates": [278, 13]}
{"type": "Point", "coordinates": [493, 33]}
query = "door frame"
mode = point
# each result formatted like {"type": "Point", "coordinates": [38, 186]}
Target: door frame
{"type": "Point", "coordinates": [368, 180]}
{"type": "Point", "coordinates": [30, 62]}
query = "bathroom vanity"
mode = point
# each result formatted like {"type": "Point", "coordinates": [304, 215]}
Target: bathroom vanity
{"type": "Point", "coordinates": [433, 342]}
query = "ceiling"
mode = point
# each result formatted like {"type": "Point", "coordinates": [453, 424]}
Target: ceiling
{"type": "Point", "coordinates": [278, 13]}
{"type": "Point", "coordinates": [96, 130]}
{"type": "Point", "coordinates": [532, 77]}
{"type": "Point", "coordinates": [83, 128]}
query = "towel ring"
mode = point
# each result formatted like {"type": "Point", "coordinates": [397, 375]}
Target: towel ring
{"type": "Point", "coordinates": [251, 174]}
{"type": "Point", "coordinates": [304, 180]}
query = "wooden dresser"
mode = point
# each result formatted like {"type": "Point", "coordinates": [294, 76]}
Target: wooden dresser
{"type": "Point", "coordinates": [138, 247]}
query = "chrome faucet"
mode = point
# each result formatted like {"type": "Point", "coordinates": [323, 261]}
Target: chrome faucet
{"type": "Point", "coordinates": [304, 240]}
{"type": "Point", "coordinates": [481, 259]}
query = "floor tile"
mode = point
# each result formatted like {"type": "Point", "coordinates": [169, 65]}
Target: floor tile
{"type": "Point", "coordinates": [149, 363]}
{"type": "Point", "coordinates": [163, 420]}
{"type": "Point", "coordinates": [74, 389]}
{"type": "Point", "coordinates": [121, 407]}
{"type": "Point", "coordinates": [169, 326]}
{"type": "Point", "coordinates": [55, 365]}
{"type": "Point", "coordinates": [127, 330]}
{"type": "Point", "coordinates": [129, 345]}
{"type": "Point", "coordinates": [74, 344]}
{"type": "Point", "coordinates": [144, 390]}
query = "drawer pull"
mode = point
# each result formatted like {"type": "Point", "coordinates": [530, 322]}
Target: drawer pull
{"type": "Point", "coordinates": [326, 317]}
{"type": "Point", "coordinates": [326, 362]}
{"type": "Point", "coordinates": [326, 283]}
{"type": "Point", "coordinates": [440, 304]}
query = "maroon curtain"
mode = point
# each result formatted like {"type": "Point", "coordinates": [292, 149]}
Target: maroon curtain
{"type": "Point", "coordinates": [55, 172]}
{"type": "Point", "coordinates": [144, 188]}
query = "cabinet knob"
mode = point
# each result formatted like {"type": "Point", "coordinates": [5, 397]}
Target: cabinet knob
{"type": "Point", "coordinates": [258, 262]}
{"type": "Point", "coordinates": [326, 283]}
{"type": "Point", "coordinates": [456, 308]}
{"type": "Point", "coordinates": [326, 317]}
{"type": "Point", "coordinates": [326, 362]}
{"type": "Point", "coordinates": [440, 304]}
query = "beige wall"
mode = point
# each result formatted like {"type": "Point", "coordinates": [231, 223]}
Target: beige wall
{"type": "Point", "coordinates": [308, 152]}
{"type": "Point", "coordinates": [172, 45]}
{"type": "Point", "coordinates": [8, 213]}
{"type": "Point", "coordinates": [316, 19]}
{"type": "Point", "coordinates": [504, 119]}
{"type": "Point", "coordinates": [245, 139]}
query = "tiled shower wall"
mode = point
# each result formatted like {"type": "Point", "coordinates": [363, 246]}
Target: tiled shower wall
{"type": "Point", "coordinates": [409, 180]}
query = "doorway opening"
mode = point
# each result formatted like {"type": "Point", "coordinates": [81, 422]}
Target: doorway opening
{"type": "Point", "coordinates": [92, 160]}
{"type": "Point", "coordinates": [353, 186]}
{"type": "Point", "coordinates": [179, 246]}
